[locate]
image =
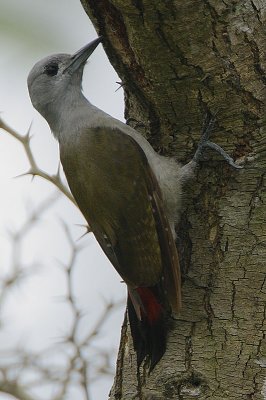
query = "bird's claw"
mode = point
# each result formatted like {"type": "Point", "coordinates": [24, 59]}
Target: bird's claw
{"type": "Point", "coordinates": [205, 142]}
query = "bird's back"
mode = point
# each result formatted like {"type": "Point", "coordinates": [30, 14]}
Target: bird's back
{"type": "Point", "coordinates": [107, 174]}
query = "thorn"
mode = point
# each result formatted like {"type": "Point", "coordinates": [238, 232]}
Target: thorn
{"type": "Point", "coordinates": [87, 230]}
{"type": "Point", "coordinates": [82, 236]}
{"type": "Point", "coordinates": [58, 170]}
{"type": "Point", "coordinates": [121, 84]}
{"type": "Point", "coordinates": [82, 226]}
{"type": "Point", "coordinates": [24, 174]}
{"type": "Point", "coordinates": [28, 135]}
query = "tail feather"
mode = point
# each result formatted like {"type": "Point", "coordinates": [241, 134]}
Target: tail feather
{"type": "Point", "coordinates": [149, 330]}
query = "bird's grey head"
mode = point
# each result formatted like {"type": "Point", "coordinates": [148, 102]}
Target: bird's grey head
{"type": "Point", "coordinates": [54, 77]}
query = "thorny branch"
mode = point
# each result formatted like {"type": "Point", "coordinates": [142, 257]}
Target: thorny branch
{"type": "Point", "coordinates": [35, 170]}
{"type": "Point", "coordinates": [16, 272]}
{"type": "Point", "coordinates": [22, 370]}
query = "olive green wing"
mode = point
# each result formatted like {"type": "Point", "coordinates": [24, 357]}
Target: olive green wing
{"type": "Point", "coordinates": [116, 190]}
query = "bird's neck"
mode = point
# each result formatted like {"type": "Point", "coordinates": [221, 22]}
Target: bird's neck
{"type": "Point", "coordinates": [66, 114]}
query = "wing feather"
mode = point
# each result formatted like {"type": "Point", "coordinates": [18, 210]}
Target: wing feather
{"type": "Point", "coordinates": [119, 195]}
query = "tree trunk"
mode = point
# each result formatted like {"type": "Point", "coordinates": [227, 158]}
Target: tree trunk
{"type": "Point", "coordinates": [179, 60]}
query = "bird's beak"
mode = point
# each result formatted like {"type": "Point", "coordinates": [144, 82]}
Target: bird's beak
{"type": "Point", "coordinates": [80, 57]}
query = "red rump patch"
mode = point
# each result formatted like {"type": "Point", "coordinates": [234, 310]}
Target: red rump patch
{"type": "Point", "coordinates": [153, 309]}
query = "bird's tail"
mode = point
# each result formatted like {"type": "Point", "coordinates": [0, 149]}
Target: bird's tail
{"type": "Point", "coordinates": [148, 324]}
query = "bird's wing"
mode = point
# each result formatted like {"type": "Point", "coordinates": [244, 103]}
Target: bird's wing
{"type": "Point", "coordinates": [116, 190]}
{"type": "Point", "coordinates": [171, 273]}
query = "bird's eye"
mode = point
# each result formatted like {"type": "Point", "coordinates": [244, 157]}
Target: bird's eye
{"type": "Point", "coordinates": [51, 69]}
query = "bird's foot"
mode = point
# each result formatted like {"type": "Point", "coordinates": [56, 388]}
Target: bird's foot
{"type": "Point", "coordinates": [188, 170]}
{"type": "Point", "coordinates": [206, 143]}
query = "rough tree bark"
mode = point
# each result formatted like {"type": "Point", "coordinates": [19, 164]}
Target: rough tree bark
{"type": "Point", "coordinates": [177, 61]}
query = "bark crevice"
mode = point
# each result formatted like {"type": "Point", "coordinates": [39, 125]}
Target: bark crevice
{"type": "Point", "coordinates": [179, 61]}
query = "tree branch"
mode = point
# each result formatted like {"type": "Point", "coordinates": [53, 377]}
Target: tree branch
{"type": "Point", "coordinates": [35, 170]}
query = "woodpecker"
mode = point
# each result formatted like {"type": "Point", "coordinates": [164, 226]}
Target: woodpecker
{"type": "Point", "coordinates": [129, 194]}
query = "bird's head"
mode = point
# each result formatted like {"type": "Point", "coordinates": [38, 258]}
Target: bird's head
{"type": "Point", "coordinates": [50, 78]}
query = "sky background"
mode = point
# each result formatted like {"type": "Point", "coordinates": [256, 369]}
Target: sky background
{"type": "Point", "coordinates": [32, 315]}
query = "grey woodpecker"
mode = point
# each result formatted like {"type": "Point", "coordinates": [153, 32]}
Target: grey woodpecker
{"type": "Point", "coordinates": [130, 195]}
